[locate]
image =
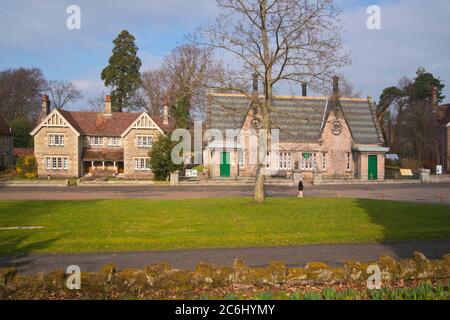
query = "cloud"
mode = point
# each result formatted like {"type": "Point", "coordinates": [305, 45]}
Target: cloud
{"type": "Point", "coordinates": [412, 35]}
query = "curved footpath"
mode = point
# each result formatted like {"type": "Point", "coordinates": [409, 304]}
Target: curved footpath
{"type": "Point", "coordinates": [187, 259]}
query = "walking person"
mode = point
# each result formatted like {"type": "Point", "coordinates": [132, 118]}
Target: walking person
{"type": "Point", "coordinates": [301, 188]}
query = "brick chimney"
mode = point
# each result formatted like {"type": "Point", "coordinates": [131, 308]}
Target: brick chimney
{"type": "Point", "coordinates": [45, 110]}
{"type": "Point", "coordinates": [304, 89]}
{"type": "Point", "coordinates": [255, 83]}
{"type": "Point", "coordinates": [434, 97]}
{"type": "Point", "coordinates": [108, 107]}
{"type": "Point", "coordinates": [166, 113]}
{"type": "Point", "coordinates": [336, 86]}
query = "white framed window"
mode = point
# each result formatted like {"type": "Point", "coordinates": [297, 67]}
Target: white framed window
{"type": "Point", "coordinates": [142, 164]}
{"type": "Point", "coordinates": [114, 142]}
{"type": "Point", "coordinates": [56, 140]}
{"type": "Point", "coordinates": [308, 161]}
{"type": "Point", "coordinates": [57, 163]}
{"type": "Point", "coordinates": [284, 161]}
{"type": "Point", "coordinates": [349, 161]}
{"type": "Point", "coordinates": [96, 141]}
{"type": "Point", "coordinates": [144, 141]}
{"type": "Point", "coordinates": [324, 162]}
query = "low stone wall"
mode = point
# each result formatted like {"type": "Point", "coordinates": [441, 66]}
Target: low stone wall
{"type": "Point", "coordinates": [440, 179]}
{"type": "Point", "coordinates": [34, 183]}
{"type": "Point", "coordinates": [163, 282]}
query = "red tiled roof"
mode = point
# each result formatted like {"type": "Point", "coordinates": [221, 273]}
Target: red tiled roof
{"type": "Point", "coordinates": [100, 124]}
{"type": "Point", "coordinates": [22, 152]}
{"type": "Point", "coordinates": [103, 154]}
{"type": "Point", "coordinates": [4, 128]}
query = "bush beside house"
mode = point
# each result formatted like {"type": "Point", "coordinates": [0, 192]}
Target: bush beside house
{"type": "Point", "coordinates": [26, 167]}
{"type": "Point", "coordinates": [161, 158]}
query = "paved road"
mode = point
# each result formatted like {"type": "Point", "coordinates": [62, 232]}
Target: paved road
{"type": "Point", "coordinates": [188, 259]}
{"type": "Point", "coordinates": [432, 193]}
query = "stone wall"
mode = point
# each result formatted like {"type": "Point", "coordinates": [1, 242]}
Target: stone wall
{"type": "Point", "coordinates": [131, 151]}
{"type": "Point", "coordinates": [161, 281]}
{"type": "Point", "coordinates": [71, 149]}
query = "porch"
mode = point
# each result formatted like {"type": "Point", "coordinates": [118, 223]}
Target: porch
{"type": "Point", "coordinates": [103, 163]}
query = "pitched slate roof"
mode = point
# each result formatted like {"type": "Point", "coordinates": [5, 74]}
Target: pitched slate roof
{"type": "Point", "coordinates": [4, 128]}
{"type": "Point", "coordinates": [299, 119]}
{"type": "Point", "coordinates": [100, 124]}
{"type": "Point", "coordinates": [361, 120]}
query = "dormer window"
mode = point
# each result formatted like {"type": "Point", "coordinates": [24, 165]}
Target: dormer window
{"type": "Point", "coordinates": [96, 141]}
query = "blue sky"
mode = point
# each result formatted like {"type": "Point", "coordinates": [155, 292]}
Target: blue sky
{"type": "Point", "coordinates": [414, 33]}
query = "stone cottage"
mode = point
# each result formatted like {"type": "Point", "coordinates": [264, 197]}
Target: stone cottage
{"type": "Point", "coordinates": [6, 145]}
{"type": "Point", "coordinates": [77, 144]}
{"type": "Point", "coordinates": [321, 137]}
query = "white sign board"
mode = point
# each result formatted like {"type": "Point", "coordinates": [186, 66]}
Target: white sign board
{"type": "Point", "coordinates": [191, 173]}
{"type": "Point", "coordinates": [439, 170]}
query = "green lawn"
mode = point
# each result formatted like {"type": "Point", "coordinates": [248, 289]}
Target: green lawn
{"type": "Point", "coordinates": [117, 225]}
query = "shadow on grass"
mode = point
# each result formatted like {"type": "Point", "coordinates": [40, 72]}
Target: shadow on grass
{"type": "Point", "coordinates": [16, 245]}
{"type": "Point", "coordinates": [410, 227]}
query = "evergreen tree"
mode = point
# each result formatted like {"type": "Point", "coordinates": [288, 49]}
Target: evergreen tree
{"type": "Point", "coordinates": [122, 74]}
{"type": "Point", "coordinates": [422, 87]}
{"type": "Point", "coordinates": [181, 113]}
{"type": "Point", "coordinates": [161, 158]}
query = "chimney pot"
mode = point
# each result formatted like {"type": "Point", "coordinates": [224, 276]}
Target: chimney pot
{"type": "Point", "coordinates": [108, 107]}
{"type": "Point", "coordinates": [336, 85]}
{"type": "Point", "coordinates": [166, 114]}
{"type": "Point", "coordinates": [304, 89]}
{"type": "Point", "coordinates": [255, 82]}
{"type": "Point", "coordinates": [434, 96]}
{"type": "Point", "coordinates": [45, 110]}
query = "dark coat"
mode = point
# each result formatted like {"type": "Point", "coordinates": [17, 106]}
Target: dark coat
{"type": "Point", "coordinates": [300, 186]}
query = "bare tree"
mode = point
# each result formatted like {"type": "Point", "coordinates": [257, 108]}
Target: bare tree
{"type": "Point", "coordinates": [20, 93]}
{"type": "Point", "coordinates": [278, 40]}
{"type": "Point", "coordinates": [182, 76]}
{"type": "Point", "coordinates": [63, 92]}
{"type": "Point", "coordinates": [156, 84]}
{"type": "Point", "coordinates": [97, 104]}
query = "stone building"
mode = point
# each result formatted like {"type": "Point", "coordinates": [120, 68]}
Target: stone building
{"type": "Point", "coordinates": [6, 145]}
{"type": "Point", "coordinates": [444, 122]}
{"type": "Point", "coordinates": [77, 144]}
{"type": "Point", "coordinates": [321, 137]}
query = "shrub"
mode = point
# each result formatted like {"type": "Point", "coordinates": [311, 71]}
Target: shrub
{"type": "Point", "coordinates": [26, 167]}
{"type": "Point", "coordinates": [161, 158]}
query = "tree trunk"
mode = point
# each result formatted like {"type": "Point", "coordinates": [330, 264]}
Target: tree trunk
{"type": "Point", "coordinates": [265, 106]}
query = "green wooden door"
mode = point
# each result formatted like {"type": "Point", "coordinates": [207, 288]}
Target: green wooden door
{"type": "Point", "coordinates": [373, 168]}
{"type": "Point", "coordinates": [225, 168]}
